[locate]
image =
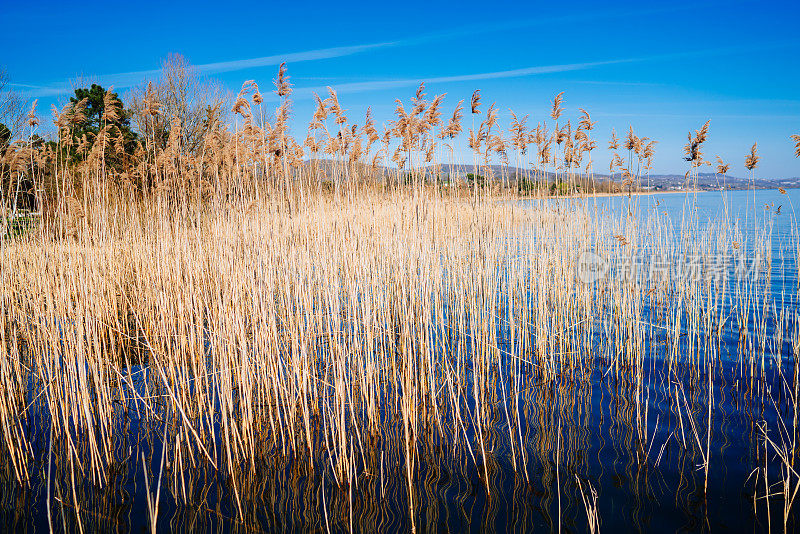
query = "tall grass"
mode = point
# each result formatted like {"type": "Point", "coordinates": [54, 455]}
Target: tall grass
{"type": "Point", "coordinates": [239, 317]}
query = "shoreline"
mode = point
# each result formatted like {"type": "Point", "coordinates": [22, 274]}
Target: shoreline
{"type": "Point", "coordinates": [604, 195]}
{"type": "Point", "coordinates": [640, 193]}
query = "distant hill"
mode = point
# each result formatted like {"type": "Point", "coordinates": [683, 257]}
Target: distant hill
{"type": "Point", "coordinates": [707, 180]}
{"type": "Point", "coordinates": [658, 182]}
{"type": "Point", "coordinates": [666, 182]}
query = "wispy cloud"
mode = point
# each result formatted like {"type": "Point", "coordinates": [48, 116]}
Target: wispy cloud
{"type": "Point", "coordinates": [25, 85]}
{"type": "Point", "coordinates": [701, 116]}
{"type": "Point", "coordinates": [128, 79]}
{"type": "Point", "coordinates": [310, 55]}
{"type": "Point", "coordinates": [615, 82]}
{"type": "Point", "coordinates": [379, 85]}
{"type": "Point", "coordinates": [122, 80]}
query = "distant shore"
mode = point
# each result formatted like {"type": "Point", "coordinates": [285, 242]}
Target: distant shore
{"type": "Point", "coordinates": [641, 193]}
{"type": "Point", "coordinates": [609, 194]}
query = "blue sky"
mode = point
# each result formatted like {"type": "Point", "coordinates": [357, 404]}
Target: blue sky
{"type": "Point", "coordinates": [663, 67]}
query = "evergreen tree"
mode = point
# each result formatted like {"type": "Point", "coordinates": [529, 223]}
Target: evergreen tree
{"type": "Point", "coordinates": [117, 123]}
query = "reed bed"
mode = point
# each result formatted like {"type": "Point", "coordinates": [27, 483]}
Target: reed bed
{"type": "Point", "coordinates": [350, 337]}
{"type": "Point", "coordinates": [239, 345]}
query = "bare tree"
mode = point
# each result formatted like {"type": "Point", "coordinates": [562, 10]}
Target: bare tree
{"type": "Point", "coordinates": [182, 95]}
{"type": "Point", "coordinates": [12, 121]}
{"type": "Point", "coordinates": [12, 106]}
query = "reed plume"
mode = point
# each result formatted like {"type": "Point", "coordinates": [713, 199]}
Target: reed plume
{"type": "Point", "coordinates": [475, 102]}
{"type": "Point", "coordinates": [33, 119]}
{"type": "Point", "coordinates": [282, 86]}
{"type": "Point", "coordinates": [111, 106]}
{"type": "Point", "coordinates": [692, 150]}
{"type": "Point", "coordinates": [453, 127]}
{"type": "Point", "coordinates": [519, 133]}
{"type": "Point", "coordinates": [586, 122]}
{"type": "Point", "coordinates": [722, 167]}
{"type": "Point", "coordinates": [632, 142]}
{"type": "Point", "coordinates": [753, 158]}
{"type": "Point", "coordinates": [557, 110]}
{"type": "Point", "coordinates": [613, 144]}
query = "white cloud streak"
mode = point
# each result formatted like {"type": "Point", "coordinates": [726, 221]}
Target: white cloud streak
{"type": "Point", "coordinates": [122, 80]}
{"type": "Point", "coordinates": [379, 85]}
{"type": "Point", "coordinates": [129, 79]}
